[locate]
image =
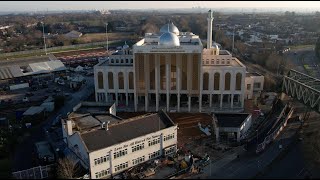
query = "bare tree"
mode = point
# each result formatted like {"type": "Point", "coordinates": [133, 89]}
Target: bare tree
{"type": "Point", "coordinates": [66, 168]}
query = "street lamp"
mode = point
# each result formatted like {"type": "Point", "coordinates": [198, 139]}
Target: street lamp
{"type": "Point", "coordinates": [44, 39]}
{"type": "Point", "coordinates": [107, 37]}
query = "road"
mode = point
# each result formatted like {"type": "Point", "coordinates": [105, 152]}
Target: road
{"type": "Point", "coordinates": [290, 166]}
{"type": "Point", "coordinates": [23, 155]}
{"type": "Point", "coordinates": [303, 57]}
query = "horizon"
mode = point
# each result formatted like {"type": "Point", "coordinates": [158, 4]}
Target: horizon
{"type": "Point", "coordinates": [30, 6]}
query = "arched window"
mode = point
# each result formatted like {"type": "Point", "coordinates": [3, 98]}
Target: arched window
{"type": "Point", "coordinates": [227, 79]}
{"type": "Point", "coordinates": [100, 80]}
{"type": "Point", "coordinates": [216, 81]}
{"type": "Point", "coordinates": [206, 81]}
{"type": "Point", "coordinates": [131, 80]}
{"type": "Point", "coordinates": [238, 81]}
{"type": "Point", "coordinates": [120, 80]}
{"type": "Point", "coordinates": [110, 80]}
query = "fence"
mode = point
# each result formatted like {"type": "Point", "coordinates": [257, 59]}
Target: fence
{"type": "Point", "coordinates": [40, 172]}
{"type": "Point", "coordinates": [56, 48]}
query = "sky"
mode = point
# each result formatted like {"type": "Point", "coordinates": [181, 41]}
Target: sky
{"type": "Point", "coordinates": [89, 5]}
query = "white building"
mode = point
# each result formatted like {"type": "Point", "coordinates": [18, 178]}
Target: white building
{"type": "Point", "coordinates": [254, 84]}
{"type": "Point", "coordinates": [171, 70]}
{"type": "Point", "coordinates": [107, 145]}
{"type": "Point", "coordinates": [231, 125]}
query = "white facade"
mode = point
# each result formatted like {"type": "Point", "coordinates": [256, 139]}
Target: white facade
{"type": "Point", "coordinates": [111, 160]}
{"type": "Point", "coordinates": [254, 84]}
{"type": "Point", "coordinates": [171, 70]}
{"type": "Point", "coordinates": [132, 158]}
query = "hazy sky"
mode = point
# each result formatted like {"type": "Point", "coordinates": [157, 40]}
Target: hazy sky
{"type": "Point", "coordinates": [78, 5]}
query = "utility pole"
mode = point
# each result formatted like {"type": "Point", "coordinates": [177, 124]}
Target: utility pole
{"type": "Point", "coordinates": [107, 37]}
{"type": "Point", "coordinates": [44, 38]}
{"type": "Point", "coordinates": [233, 40]}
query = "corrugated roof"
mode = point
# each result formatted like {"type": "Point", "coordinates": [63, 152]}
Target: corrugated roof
{"type": "Point", "coordinates": [45, 67]}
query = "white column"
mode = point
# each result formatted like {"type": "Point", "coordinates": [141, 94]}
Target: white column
{"type": "Point", "coordinates": [135, 85]}
{"type": "Point", "coordinates": [146, 81]}
{"type": "Point", "coordinates": [189, 103]}
{"type": "Point", "coordinates": [243, 89]}
{"type": "Point", "coordinates": [210, 100]}
{"type": "Point", "coordinates": [168, 81]}
{"type": "Point", "coordinates": [157, 81]}
{"type": "Point", "coordinates": [221, 87]}
{"type": "Point", "coordinates": [189, 82]}
{"type": "Point", "coordinates": [178, 81]}
{"type": "Point", "coordinates": [231, 100]}
{"type": "Point", "coordinates": [146, 104]}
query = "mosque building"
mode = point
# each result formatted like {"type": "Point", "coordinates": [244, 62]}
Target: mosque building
{"type": "Point", "coordinates": [171, 70]}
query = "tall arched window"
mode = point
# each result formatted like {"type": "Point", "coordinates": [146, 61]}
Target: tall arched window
{"type": "Point", "coordinates": [238, 81]}
{"type": "Point", "coordinates": [227, 79]}
{"type": "Point", "coordinates": [131, 80]}
{"type": "Point", "coordinates": [110, 80]}
{"type": "Point", "coordinates": [216, 81]}
{"type": "Point", "coordinates": [120, 80]}
{"type": "Point", "coordinates": [100, 80]}
{"type": "Point", "coordinates": [206, 81]}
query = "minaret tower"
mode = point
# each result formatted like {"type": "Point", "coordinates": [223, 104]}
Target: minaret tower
{"type": "Point", "coordinates": [209, 35]}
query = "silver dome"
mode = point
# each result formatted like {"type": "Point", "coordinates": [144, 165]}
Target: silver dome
{"type": "Point", "coordinates": [125, 46]}
{"type": "Point", "coordinates": [169, 39]}
{"type": "Point", "coordinates": [169, 27]}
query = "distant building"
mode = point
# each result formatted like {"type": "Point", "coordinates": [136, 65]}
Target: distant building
{"type": "Point", "coordinates": [107, 145]}
{"type": "Point", "coordinates": [73, 34]}
{"type": "Point", "coordinates": [254, 84]}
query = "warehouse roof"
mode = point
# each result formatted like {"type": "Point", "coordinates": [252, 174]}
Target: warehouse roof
{"type": "Point", "coordinates": [126, 130]}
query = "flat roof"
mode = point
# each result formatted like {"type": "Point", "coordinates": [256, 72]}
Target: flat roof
{"type": "Point", "coordinates": [230, 119]}
{"type": "Point", "coordinates": [126, 130]}
{"type": "Point", "coordinates": [248, 74]}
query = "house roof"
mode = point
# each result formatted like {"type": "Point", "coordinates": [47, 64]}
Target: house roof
{"type": "Point", "coordinates": [126, 130]}
{"type": "Point", "coordinates": [233, 120]}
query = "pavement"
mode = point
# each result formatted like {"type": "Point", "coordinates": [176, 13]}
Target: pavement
{"type": "Point", "coordinates": [23, 158]}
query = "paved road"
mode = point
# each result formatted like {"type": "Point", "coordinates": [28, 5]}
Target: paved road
{"type": "Point", "coordinates": [302, 57]}
{"type": "Point", "coordinates": [290, 166]}
{"type": "Point", "coordinates": [23, 155]}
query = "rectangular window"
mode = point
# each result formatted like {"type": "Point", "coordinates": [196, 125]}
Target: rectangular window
{"type": "Point", "coordinates": [137, 147]}
{"type": "Point", "coordinates": [168, 137]}
{"type": "Point", "coordinates": [120, 153]}
{"type": "Point", "coordinates": [256, 85]}
{"type": "Point", "coordinates": [101, 160]}
{"type": "Point", "coordinates": [154, 154]}
{"type": "Point", "coordinates": [102, 173]}
{"type": "Point", "coordinates": [154, 142]}
{"type": "Point", "coordinates": [121, 166]}
{"type": "Point", "coordinates": [170, 150]}
{"type": "Point", "coordinates": [248, 86]}
{"type": "Point", "coordinates": [138, 160]}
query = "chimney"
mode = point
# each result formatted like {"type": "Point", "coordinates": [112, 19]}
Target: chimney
{"type": "Point", "coordinates": [69, 127]}
{"type": "Point", "coordinates": [209, 33]}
